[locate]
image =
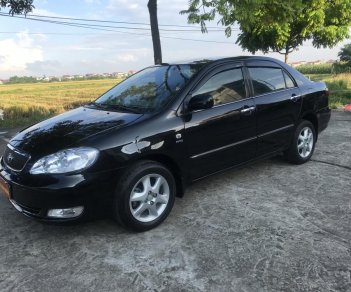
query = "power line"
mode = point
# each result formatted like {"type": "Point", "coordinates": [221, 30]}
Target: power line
{"type": "Point", "coordinates": [111, 21]}
{"type": "Point", "coordinates": [115, 31]}
{"type": "Point", "coordinates": [108, 26]}
{"type": "Point", "coordinates": [49, 33]}
{"type": "Point", "coordinates": [162, 36]}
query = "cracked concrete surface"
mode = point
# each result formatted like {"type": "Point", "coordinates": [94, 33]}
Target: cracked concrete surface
{"type": "Point", "coordinates": [270, 226]}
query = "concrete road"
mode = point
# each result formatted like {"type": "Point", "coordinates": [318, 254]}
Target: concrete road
{"type": "Point", "coordinates": [270, 226]}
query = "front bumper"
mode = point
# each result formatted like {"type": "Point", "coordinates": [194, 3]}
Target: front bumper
{"type": "Point", "coordinates": [35, 195]}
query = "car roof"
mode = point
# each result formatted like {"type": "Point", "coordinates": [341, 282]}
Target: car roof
{"type": "Point", "coordinates": [220, 59]}
{"type": "Point", "coordinates": [300, 78]}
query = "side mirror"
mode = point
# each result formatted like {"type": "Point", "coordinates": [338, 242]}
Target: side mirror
{"type": "Point", "coordinates": [201, 101]}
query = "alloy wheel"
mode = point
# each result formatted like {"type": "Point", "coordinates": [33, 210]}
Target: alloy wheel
{"type": "Point", "coordinates": [149, 197]}
{"type": "Point", "coordinates": [305, 142]}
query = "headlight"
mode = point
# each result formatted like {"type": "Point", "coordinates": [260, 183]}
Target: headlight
{"type": "Point", "coordinates": [65, 161]}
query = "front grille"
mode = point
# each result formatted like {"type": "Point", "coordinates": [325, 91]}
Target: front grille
{"type": "Point", "coordinates": [14, 158]}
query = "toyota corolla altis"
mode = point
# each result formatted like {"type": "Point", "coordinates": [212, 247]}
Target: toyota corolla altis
{"type": "Point", "coordinates": [137, 146]}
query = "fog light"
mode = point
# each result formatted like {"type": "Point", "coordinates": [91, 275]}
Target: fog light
{"type": "Point", "coordinates": [66, 213]}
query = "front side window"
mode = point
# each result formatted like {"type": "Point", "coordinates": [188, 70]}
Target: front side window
{"type": "Point", "coordinates": [226, 86]}
{"type": "Point", "coordinates": [150, 89]}
{"type": "Point", "coordinates": [266, 79]}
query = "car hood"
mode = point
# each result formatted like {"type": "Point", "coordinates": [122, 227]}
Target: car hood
{"type": "Point", "coordinates": [68, 129]}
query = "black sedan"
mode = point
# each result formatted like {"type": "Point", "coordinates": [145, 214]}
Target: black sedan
{"type": "Point", "coordinates": [137, 146]}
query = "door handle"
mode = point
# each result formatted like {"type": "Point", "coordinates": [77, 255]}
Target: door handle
{"type": "Point", "coordinates": [247, 110]}
{"type": "Point", "coordinates": [294, 97]}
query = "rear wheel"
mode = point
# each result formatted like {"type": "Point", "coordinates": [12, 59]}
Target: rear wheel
{"type": "Point", "coordinates": [302, 146]}
{"type": "Point", "coordinates": [144, 196]}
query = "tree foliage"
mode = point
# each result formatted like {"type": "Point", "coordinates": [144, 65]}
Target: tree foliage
{"type": "Point", "coordinates": [345, 54]}
{"type": "Point", "coordinates": [22, 79]}
{"type": "Point", "coordinates": [17, 6]}
{"type": "Point", "coordinates": [275, 25]}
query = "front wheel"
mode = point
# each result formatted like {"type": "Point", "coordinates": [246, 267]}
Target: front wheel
{"type": "Point", "coordinates": [144, 196]}
{"type": "Point", "coordinates": [302, 146]}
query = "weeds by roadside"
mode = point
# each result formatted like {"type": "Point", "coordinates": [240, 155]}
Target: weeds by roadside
{"type": "Point", "coordinates": [339, 87]}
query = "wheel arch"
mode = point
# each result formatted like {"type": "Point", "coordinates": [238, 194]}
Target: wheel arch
{"type": "Point", "coordinates": [173, 167]}
{"type": "Point", "coordinates": [311, 117]}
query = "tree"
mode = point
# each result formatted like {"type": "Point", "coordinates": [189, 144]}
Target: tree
{"type": "Point", "coordinates": [275, 25]}
{"type": "Point", "coordinates": [17, 6]}
{"type": "Point", "coordinates": [152, 6]}
{"type": "Point", "coordinates": [345, 54]}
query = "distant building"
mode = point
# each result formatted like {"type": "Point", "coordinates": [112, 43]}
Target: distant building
{"type": "Point", "coordinates": [119, 74]}
{"type": "Point", "coordinates": [43, 78]}
{"type": "Point", "coordinates": [299, 63]}
{"type": "Point", "coordinates": [318, 62]}
{"type": "Point", "coordinates": [67, 77]}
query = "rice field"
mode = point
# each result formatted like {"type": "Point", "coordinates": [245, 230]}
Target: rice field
{"type": "Point", "coordinates": [23, 104]}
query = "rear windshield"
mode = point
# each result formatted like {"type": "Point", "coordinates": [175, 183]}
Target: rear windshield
{"type": "Point", "coordinates": [150, 89]}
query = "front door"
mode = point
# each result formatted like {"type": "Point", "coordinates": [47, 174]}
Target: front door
{"type": "Point", "coordinates": [225, 134]}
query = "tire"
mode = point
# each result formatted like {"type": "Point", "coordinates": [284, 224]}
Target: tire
{"type": "Point", "coordinates": [144, 196]}
{"type": "Point", "coordinates": [302, 147]}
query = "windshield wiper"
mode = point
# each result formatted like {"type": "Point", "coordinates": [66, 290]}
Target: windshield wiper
{"type": "Point", "coordinates": [105, 106]}
{"type": "Point", "coordinates": [121, 107]}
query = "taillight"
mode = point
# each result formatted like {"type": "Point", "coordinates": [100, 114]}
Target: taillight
{"type": "Point", "coordinates": [327, 92]}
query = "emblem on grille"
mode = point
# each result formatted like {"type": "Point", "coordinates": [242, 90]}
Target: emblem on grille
{"type": "Point", "coordinates": [9, 158]}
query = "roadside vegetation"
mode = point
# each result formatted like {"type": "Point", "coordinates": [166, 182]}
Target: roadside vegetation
{"type": "Point", "coordinates": [24, 104]}
{"type": "Point", "coordinates": [339, 87]}
{"type": "Point", "coordinates": [337, 76]}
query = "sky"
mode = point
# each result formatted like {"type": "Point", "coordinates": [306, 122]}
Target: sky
{"type": "Point", "coordinates": [33, 48]}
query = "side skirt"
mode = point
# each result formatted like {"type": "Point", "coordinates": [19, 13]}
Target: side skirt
{"type": "Point", "coordinates": [238, 166]}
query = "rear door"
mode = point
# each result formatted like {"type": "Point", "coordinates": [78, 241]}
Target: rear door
{"type": "Point", "coordinates": [225, 134]}
{"type": "Point", "coordinates": [278, 103]}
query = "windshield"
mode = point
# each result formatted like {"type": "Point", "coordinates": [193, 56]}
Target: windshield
{"type": "Point", "coordinates": [150, 89]}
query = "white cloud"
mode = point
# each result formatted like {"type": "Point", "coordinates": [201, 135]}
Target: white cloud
{"type": "Point", "coordinates": [127, 58]}
{"type": "Point", "coordinates": [130, 10]}
{"type": "Point", "coordinates": [49, 67]}
{"type": "Point", "coordinates": [45, 12]}
{"type": "Point", "coordinates": [92, 1]}
{"type": "Point", "coordinates": [17, 52]}
{"type": "Point", "coordinates": [83, 48]}
{"type": "Point", "coordinates": [125, 4]}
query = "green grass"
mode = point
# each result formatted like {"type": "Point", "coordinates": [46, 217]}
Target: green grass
{"type": "Point", "coordinates": [25, 104]}
{"type": "Point", "coordinates": [335, 68]}
{"type": "Point", "coordinates": [339, 87]}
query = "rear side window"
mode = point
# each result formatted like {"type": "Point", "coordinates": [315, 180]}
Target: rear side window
{"type": "Point", "coordinates": [226, 86]}
{"type": "Point", "coordinates": [266, 79]}
{"type": "Point", "coordinates": [289, 82]}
